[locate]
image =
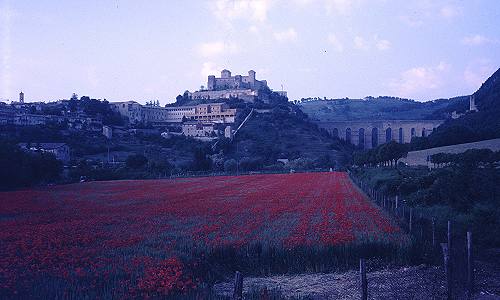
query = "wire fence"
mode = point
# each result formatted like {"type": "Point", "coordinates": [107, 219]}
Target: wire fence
{"type": "Point", "coordinates": [437, 241]}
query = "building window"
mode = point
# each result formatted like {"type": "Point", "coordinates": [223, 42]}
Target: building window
{"type": "Point", "coordinates": [388, 135]}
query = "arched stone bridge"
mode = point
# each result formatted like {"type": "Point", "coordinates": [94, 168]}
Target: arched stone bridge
{"type": "Point", "coordinates": [370, 134]}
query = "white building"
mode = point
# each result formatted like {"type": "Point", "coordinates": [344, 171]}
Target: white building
{"type": "Point", "coordinates": [212, 112]}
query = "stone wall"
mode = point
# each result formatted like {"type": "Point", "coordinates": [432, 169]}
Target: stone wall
{"type": "Point", "coordinates": [369, 134]}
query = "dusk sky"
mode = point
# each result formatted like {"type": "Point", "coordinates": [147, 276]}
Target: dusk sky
{"type": "Point", "coordinates": [147, 50]}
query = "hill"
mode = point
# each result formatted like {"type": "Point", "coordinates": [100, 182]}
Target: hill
{"type": "Point", "coordinates": [284, 132]}
{"type": "Point", "coordinates": [473, 126]}
{"type": "Point", "coordinates": [387, 108]}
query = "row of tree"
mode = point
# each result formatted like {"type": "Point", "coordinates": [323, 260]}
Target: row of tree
{"type": "Point", "coordinates": [471, 158]}
{"type": "Point", "coordinates": [386, 154]}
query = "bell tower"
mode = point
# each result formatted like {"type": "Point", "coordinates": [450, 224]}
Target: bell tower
{"type": "Point", "coordinates": [472, 103]}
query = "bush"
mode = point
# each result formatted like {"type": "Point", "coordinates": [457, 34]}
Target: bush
{"type": "Point", "coordinates": [136, 161]}
{"type": "Point", "coordinates": [23, 169]}
{"type": "Point", "coordinates": [230, 165]}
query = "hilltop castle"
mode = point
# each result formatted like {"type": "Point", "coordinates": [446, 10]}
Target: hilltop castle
{"type": "Point", "coordinates": [228, 82]}
{"type": "Point", "coordinates": [246, 88]}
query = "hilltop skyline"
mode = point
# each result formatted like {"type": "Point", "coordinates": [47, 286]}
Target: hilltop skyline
{"type": "Point", "coordinates": [127, 50]}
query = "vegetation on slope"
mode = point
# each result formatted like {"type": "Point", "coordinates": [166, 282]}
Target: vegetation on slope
{"type": "Point", "coordinates": [388, 108]}
{"type": "Point", "coordinates": [20, 169]}
{"type": "Point", "coordinates": [465, 190]}
{"type": "Point", "coordinates": [473, 126]}
{"type": "Point", "coordinates": [284, 133]}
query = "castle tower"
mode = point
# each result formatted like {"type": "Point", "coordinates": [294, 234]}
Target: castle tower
{"type": "Point", "coordinates": [21, 97]}
{"type": "Point", "coordinates": [472, 103]}
{"type": "Point", "coordinates": [211, 83]}
{"type": "Point", "coordinates": [225, 74]}
{"type": "Point", "coordinates": [251, 76]}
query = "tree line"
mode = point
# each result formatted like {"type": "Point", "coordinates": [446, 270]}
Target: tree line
{"type": "Point", "coordinates": [471, 157]}
{"type": "Point", "coordinates": [23, 169]}
{"type": "Point", "coordinates": [385, 155]}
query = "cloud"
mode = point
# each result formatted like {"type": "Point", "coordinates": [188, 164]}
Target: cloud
{"type": "Point", "coordinates": [450, 11]}
{"type": "Point", "coordinates": [338, 7]}
{"type": "Point", "coordinates": [382, 44]}
{"type": "Point", "coordinates": [411, 21]}
{"type": "Point", "coordinates": [289, 35]}
{"type": "Point", "coordinates": [419, 79]}
{"type": "Point", "coordinates": [360, 43]}
{"type": "Point", "coordinates": [335, 42]}
{"type": "Point", "coordinates": [254, 29]}
{"type": "Point", "coordinates": [476, 40]}
{"type": "Point", "coordinates": [342, 7]}
{"type": "Point", "coordinates": [252, 10]}
{"type": "Point", "coordinates": [211, 49]}
{"type": "Point", "coordinates": [209, 68]}
{"type": "Point", "coordinates": [477, 72]}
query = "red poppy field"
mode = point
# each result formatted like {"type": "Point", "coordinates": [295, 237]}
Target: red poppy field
{"type": "Point", "coordinates": [165, 237]}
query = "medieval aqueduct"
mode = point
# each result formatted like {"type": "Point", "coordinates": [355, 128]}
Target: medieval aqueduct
{"type": "Point", "coordinates": [370, 134]}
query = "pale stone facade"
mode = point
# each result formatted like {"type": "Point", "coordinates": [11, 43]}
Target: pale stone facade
{"type": "Point", "coordinates": [227, 86]}
{"type": "Point", "coordinates": [60, 150]}
{"type": "Point", "coordinates": [199, 129]}
{"type": "Point", "coordinates": [107, 131]}
{"type": "Point", "coordinates": [472, 103]}
{"type": "Point", "coordinates": [213, 112]}
{"type": "Point", "coordinates": [228, 82]}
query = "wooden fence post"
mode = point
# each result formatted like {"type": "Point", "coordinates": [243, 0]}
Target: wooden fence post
{"type": "Point", "coordinates": [433, 232]}
{"type": "Point", "coordinates": [411, 218]}
{"type": "Point", "coordinates": [449, 237]}
{"type": "Point", "coordinates": [447, 270]}
{"type": "Point", "coordinates": [238, 286]}
{"type": "Point", "coordinates": [364, 283]}
{"type": "Point", "coordinates": [470, 266]}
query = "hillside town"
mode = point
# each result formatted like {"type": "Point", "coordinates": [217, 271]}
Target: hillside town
{"type": "Point", "coordinates": [208, 118]}
{"type": "Point", "coordinates": [204, 121]}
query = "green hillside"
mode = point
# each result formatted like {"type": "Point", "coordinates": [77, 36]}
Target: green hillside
{"type": "Point", "coordinates": [388, 108]}
{"type": "Point", "coordinates": [473, 126]}
{"type": "Point", "coordinates": [285, 133]}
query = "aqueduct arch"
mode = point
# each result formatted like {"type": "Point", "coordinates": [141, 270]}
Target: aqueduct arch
{"type": "Point", "coordinates": [370, 134]}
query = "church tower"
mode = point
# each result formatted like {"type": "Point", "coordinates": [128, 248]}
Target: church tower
{"type": "Point", "coordinates": [21, 97]}
{"type": "Point", "coordinates": [472, 103]}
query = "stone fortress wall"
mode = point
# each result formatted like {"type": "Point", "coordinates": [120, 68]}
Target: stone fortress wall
{"type": "Point", "coordinates": [227, 86]}
{"type": "Point", "coordinates": [369, 134]}
{"type": "Point", "coordinates": [228, 82]}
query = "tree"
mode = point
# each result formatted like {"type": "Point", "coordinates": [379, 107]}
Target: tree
{"type": "Point", "coordinates": [201, 161]}
{"type": "Point", "coordinates": [23, 169]}
{"type": "Point", "coordinates": [136, 161]}
{"type": "Point", "coordinates": [230, 165]}
{"type": "Point", "coordinates": [391, 152]}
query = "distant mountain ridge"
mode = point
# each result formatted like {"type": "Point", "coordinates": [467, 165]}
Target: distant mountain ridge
{"type": "Point", "coordinates": [470, 127]}
{"type": "Point", "coordinates": [382, 108]}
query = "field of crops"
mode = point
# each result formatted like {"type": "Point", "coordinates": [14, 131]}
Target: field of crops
{"type": "Point", "coordinates": [164, 237]}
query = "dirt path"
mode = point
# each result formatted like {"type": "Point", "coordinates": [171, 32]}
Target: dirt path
{"type": "Point", "coordinates": [420, 282]}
